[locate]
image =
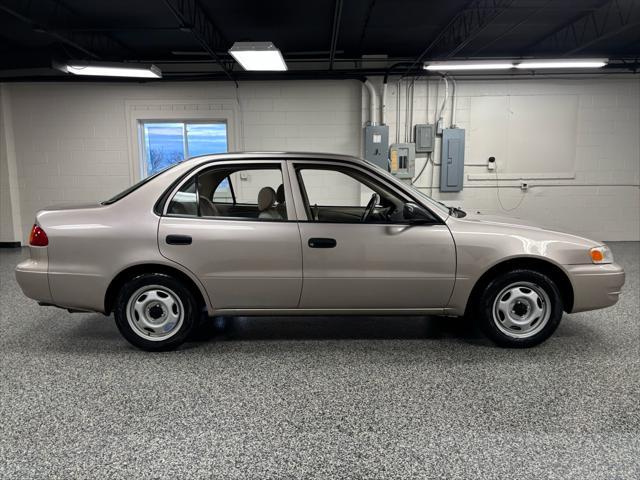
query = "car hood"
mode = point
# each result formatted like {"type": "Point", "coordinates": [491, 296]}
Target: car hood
{"type": "Point", "coordinates": [516, 237]}
{"type": "Point", "coordinates": [502, 220]}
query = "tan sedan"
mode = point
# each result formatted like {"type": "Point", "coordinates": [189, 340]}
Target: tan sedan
{"type": "Point", "coordinates": [301, 233]}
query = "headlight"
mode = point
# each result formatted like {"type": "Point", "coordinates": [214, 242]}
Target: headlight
{"type": "Point", "coordinates": [601, 254]}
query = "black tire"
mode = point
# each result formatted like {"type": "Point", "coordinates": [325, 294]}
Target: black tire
{"type": "Point", "coordinates": [186, 305]}
{"type": "Point", "coordinates": [518, 279]}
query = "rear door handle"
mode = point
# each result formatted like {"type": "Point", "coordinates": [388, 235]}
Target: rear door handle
{"type": "Point", "coordinates": [322, 242]}
{"type": "Point", "coordinates": [179, 239]}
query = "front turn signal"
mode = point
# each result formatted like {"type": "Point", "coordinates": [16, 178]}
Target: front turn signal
{"type": "Point", "coordinates": [601, 254]}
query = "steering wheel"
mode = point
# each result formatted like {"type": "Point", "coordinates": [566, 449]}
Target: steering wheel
{"type": "Point", "coordinates": [375, 198]}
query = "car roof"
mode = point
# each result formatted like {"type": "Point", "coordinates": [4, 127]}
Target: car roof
{"type": "Point", "coordinates": [193, 161]}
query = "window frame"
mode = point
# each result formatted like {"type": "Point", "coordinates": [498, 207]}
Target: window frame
{"type": "Point", "coordinates": [143, 139]}
{"type": "Point", "coordinates": [242, 164]}
{"type": "Point", "coordinates": [178, 108]}
{"type": "Point", "coordinates": [297, 165]}
{"type": "Point", "coordinates": [233, 193]}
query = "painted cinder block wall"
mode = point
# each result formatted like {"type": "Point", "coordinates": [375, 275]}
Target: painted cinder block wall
{"type": "Point", "coordinates": [575, 142]}
{"type": "Point", "coordinates": [10, 227]}
{"type": "Point", "coordinates": [72, 141]}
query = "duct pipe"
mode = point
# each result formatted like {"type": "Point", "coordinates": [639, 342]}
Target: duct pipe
{"type": "Point", "coordinates": [373, 103]}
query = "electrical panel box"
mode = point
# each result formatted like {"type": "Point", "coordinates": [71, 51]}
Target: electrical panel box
{"type": "Point", "coordinates": [376, 145]}
{"type": "Point", "coordinates": [452, 162]}
{"type": "Point", "coordinates": [402, 160]}
{"type": "Point", "coordinates": [424, 135]}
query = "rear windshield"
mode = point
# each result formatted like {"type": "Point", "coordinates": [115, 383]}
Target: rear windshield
{"type": "Point", "coordinates": [135, 186]}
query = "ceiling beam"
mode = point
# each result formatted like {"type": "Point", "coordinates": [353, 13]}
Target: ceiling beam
{"type": "Point", "coordinates": [117, 29]}
{"type": "Point", "coordinates": [532, 13]}
{"type": "Point", "coordinates": [91, 44]}
{"type": "Point", "coordinates": [463, 28]}
{"type": "Point", "coordinates": [365, 25]}
{"type": "Point", "coordinates": [193, 18]}
{"type": "Point", "coordinates": [335, 31]}
{"type": "Point", "coordinates": [606, 21]}
{"type": "Point", "coordinates": [620, 68]}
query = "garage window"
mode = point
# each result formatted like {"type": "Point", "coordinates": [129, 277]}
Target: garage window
{"type": "Point", "coordinates": [167, 143]}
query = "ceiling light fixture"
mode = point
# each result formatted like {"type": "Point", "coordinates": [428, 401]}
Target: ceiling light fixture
{"type": "Point", "coordinates": [108, 69]}
{"type": "Point", "coordinates": [258, 56]}
{"type": "Point", "coordinates": [563, 63]}
{"type": "Point", "coordinates": [469, 65]}
{"type": "Point", "coordinates": [533, 64]}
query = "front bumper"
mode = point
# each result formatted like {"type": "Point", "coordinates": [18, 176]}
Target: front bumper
{"type": "Point", "coordinates": [595, 286]}
{"type": "Point", "coordinates": [32, 276]}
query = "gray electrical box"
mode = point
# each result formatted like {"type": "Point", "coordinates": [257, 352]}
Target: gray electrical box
{"type": "Point", "coordinates": [424, 134]}
{"type": "Point", "coordinates": [376, 145]}
{"type": "Point", "coordinates": [402, 160]}
{"type": "Point", "coordinates": [452, 162]}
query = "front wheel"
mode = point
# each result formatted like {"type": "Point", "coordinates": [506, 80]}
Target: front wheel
{"type": "Point", "coordinates": [521, 308]}
{"type": "Point", "coordinates": [155, 312]}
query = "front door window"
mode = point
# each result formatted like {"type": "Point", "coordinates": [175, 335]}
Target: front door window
{"type": "Point", "coordinates": [345, 195]}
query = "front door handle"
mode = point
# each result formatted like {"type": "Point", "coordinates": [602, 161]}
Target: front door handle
{"type": "Point", "coordinates": [322, 242]}
{"type": "Point", "coordinates": [179, 239]}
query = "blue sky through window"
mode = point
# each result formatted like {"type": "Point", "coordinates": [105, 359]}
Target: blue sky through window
{"type": "Point", "coordinates": [165, 142]}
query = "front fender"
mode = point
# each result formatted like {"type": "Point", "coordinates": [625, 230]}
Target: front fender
{"type": "Point", "coordinates": [482, 245]}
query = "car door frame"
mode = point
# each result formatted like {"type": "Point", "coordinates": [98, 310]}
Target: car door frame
{"type": "Point", "coordinates": [302, 216]}
{"type": "Point", "coordinates": [291, 218]}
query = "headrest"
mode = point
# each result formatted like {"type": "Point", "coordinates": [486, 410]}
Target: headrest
{"type": "Point", "coordinates": [280, 194]}
{"type": "Point", "coordinates": [266, 198]}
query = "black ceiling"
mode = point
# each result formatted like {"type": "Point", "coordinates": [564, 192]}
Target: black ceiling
{"type": "Point", "coordinates": [190, 38]}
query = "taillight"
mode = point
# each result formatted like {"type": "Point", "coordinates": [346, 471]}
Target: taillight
{"type": "Point", "coordinates": [37, 237]}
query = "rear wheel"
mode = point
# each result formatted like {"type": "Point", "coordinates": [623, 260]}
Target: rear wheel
{"type": "Point", "coordinates": [521, 308]}
{"type": "Point", "coordinates": [155, 312]}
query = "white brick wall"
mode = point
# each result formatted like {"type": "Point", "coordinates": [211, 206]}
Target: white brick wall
{"type": "Point", "coordinates": [71, 141]}
{"type": "Point", "coordinates": [9, 196]}
{"type": "Point", "coordinates": [604, 139]}
{"type": "Point", "coordinates": [72, 145]}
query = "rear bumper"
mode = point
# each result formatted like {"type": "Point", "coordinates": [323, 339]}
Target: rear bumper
{"type": "Point", "coordinates": [32, 276]}
{"type": "Point", "coordinates": [595, 286]}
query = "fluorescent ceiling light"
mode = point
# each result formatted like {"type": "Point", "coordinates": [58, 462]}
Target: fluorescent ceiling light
{"type": "Point", "coordinates": [533, 64]}
{"type": "Point", "coordinates": [563, 63]}
{"type": "Point", "coordinates": [469, 65]}
{"type": "Point", "coordinates": [105, 69]}
{"type": "Point", "coordinates": [258, 56]}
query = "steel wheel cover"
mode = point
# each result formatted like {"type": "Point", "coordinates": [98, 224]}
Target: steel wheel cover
{"type": "Point", "coordinates": [155, 313]}
{"type": "Point", "coordinates": [521, 310]}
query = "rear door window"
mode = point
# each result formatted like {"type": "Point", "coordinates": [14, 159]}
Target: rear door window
{"type": "Point", "coordinates": [233, 191]}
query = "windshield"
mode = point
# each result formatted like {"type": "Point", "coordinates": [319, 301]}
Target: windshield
{"type": "Point", "coordinates": [135, 186]}
{"type": "Point", "coordinates": [423, 196]}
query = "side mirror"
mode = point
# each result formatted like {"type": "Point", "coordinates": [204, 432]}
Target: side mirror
{"type": "Point", "coordinates": [414, 213]}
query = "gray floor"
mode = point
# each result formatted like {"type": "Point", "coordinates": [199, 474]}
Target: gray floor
{"type": "Point", "coordinates": [319, 397]}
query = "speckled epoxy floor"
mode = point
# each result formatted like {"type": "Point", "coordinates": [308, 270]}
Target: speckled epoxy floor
{"type": "Point", "coordinates": [319, 397]}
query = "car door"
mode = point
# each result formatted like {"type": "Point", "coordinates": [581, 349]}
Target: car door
{"type": "Point", "coordinates": [381, 263]}
{"type": "Point", "coordinates": [247, 258]}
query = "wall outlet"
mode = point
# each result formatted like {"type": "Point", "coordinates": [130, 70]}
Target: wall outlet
{"type": "Point", "coordinates": [491, 163]}
{"type": "Point", "coordinates": [524, 186]}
